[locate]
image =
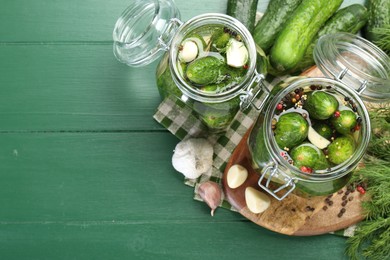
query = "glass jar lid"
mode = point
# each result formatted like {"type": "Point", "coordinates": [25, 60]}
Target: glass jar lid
{"type": "Point", "coordinates": [356, 62]}
{"type": "Point", "coordinates": [144, 31]}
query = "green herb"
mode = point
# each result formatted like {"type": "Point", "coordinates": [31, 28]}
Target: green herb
{"type": "Point", "coordinates": [372, 236]}
{"type": "Point", "coordinates": [379, 145]}
{"type": "Point", "coordinates": [383, 35]}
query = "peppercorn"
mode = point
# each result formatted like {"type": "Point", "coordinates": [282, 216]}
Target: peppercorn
{"type": "Point", "coordinates": [361, 190]}
{"type": "Point", "coordinates": [279, 106]}
{"type": "Point", "coordinates": [337, 114]}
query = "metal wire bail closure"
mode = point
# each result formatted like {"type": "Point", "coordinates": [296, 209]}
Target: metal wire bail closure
{"type": "Point", "coordinates": [249, 94]}
{"type": "Point", "coordinates": [273, 174]}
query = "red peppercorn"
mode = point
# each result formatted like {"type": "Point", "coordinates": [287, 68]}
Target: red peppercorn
{"type": "Point", "coordinates": [357, 128]}
{"type": "Point", "coordinates": [246, 66]}
{"type": "Point", "coordinates": [279, 106]}
{"type": "Point", "coordinates": [297, 96]}
{"type": "Point", "coordinates": [337, 114]}
{"type": "Point", "coordinates": [361, 190]}
{"type": "Point", "coordinates": [306, 169]}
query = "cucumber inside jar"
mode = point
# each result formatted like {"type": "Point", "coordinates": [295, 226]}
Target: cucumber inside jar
{"type": "Point", "coordinates": [212, 60]}
{"type": "Point", "coordinates": [333, 128]}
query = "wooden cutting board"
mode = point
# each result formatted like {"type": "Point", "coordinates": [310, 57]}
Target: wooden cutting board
{"type": "Point", "coordinates": [294, 215]}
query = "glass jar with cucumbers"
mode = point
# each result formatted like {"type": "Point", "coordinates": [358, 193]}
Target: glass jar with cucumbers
{"type": "Point", "coordinates": [314, 131]}
{"type": "Point", "coordinates": [210, 62]}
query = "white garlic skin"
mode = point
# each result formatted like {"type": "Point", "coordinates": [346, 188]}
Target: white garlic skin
{"type": "Point", "coordinates": [189, 51]}
{"type": "Point", "coordinates": [211, 193]}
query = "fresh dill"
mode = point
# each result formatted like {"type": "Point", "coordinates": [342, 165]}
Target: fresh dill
{"type": "Point", "coordinates": [372, 236]}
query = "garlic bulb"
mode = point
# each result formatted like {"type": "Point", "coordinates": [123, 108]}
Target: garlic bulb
{"type": "Point", "coordinates": [193, 157]}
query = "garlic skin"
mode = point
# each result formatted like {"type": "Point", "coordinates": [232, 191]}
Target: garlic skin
{"type": "Point", "coordinates": [256, 201]}
{"type": "Point", "coordinates": [193, 157]}
{"type": "Point", "coordinates": [211, 193]}
{"type": "Point", "coordinates": [236, 176]}
{"type": "Point", "coordinates": [236, 54]}
{"type": "Point", "coordinates": [188, 52]}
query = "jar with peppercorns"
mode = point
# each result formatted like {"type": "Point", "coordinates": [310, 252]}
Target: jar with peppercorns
{"type": "Point", "coordinates": [314, 131]}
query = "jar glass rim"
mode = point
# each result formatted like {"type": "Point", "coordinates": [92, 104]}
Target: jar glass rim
{"type": "Point", "coordinates": [341, 169]}
{"type": "Point", "coordinates": [365, 64]}
{"type": "Point", "coordinates": [212, 19]}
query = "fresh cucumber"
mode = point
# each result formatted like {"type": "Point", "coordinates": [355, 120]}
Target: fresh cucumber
{"type": "Point", "coordinates": [244, 11]}
{"type": "Point", "coordinates": [276, 14]}
{"type": "Point", "coordinates": [299, 31]}
{"type": "Point", "coordinates": [348, 19]}
{"type": "Point", "coordinates": [378, 17]}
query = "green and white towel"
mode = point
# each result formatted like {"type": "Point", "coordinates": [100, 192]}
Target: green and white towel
{"type": "Point", "coordinates": [182, 122]}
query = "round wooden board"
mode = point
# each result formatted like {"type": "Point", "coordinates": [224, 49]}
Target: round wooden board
{"type": "Point", "coordinates": [294, 215]}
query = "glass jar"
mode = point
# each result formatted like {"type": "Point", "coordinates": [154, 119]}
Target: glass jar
{"type": "Point", "coordinates": [359, 70]}
{"type": "Point", "coordinates": [148, 29]}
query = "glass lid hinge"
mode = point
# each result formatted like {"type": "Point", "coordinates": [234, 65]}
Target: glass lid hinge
{"type": "Point", "coordinates": [362, 87]}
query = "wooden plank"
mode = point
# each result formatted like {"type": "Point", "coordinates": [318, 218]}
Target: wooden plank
{"type": "Point", "coordinates": [47, 21]}
{"type": "Point", "coordinates": [85, 177]}
{"type": "Point", "coordinates": [165, 240]}
{"type": "Point", "coordinates": [106, 196]}
{"type": "Point", "coordinates": [73, 87]}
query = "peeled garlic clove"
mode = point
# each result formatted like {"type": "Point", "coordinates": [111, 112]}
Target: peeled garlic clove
{"type": "Point", "coordinates": [211, 193]}
{"type": "Point", "coordinates": [188, 52]}
{"type": "Point", "coordinates": [236, 53]}
{"type": "Point", "coordinates": [256, 201]}
{"type": "Point", "coordinates": [236, 176]}
{"type": "Point", "coordinates": [316, 139]}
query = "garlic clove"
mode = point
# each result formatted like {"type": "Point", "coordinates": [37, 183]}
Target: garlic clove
{"type": "Point", "coordinates": [236, 53]}
{"type": "Point", "coordinates": [316, 139]}
{"type": "Point", "coordinates": [211, 193]}
{"type": "Point", "coordinates": [236, 176]}
{"type": "Point", "coordinates": [188, 52]}
{"type": "Point", "coordinates": [256, 201]}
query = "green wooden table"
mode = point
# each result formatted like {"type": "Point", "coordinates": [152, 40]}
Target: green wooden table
{"type": "Point", "coordinates": [85, 171]}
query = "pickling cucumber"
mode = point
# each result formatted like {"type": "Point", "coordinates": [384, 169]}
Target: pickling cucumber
{"type": "Point", "coordinates": [244, 11]}
{"type": "Point", "coordinates": [299, 31]}
{"type": "Point", "coordinates": [205, 70]}
{"type": "Point", "coordinates": [276, 14]}
{"type": "Point", "coordinates": [348, 19]}
{"type": "Point", "coordinates": [378, 17]}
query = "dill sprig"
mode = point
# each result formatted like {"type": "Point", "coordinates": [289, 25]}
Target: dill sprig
{"type": "Point", "coordinates": [379, 145]}
{"type": "Point", "coordinates": [383, 36]}
{"type": "Point", "coordinates": [376, 175]}
{"type": "Point", "coordinates": [371, 240]}
{"type": "Point", "coordinates": [372, 236]}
